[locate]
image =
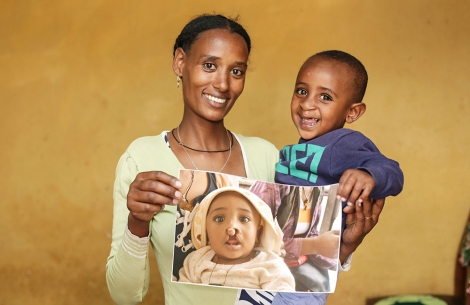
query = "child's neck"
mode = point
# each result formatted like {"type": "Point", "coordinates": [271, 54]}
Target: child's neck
{"type": "Point", "coordinates": [233, 261]}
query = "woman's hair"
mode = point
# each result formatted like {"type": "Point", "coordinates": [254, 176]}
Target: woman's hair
{"type": "Point", "coordinates": [207, 22]}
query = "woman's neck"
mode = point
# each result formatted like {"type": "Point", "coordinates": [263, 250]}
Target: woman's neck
{"type": "Point", "coordinates": [203, 136]}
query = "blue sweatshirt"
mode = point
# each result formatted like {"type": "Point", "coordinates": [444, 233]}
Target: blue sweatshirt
{"type": "Point", "coordinates": [322, 161]}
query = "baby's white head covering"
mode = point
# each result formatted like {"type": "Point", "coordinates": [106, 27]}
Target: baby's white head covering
{"type": "Point", "coordinates": [269, 238]}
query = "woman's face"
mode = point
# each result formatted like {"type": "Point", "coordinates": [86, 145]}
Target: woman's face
{"type": "Point", "coordinates": [232, 225]}
{"type": "Point", "coordinates": [213, 73]}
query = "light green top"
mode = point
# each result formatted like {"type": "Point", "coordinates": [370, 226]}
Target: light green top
{"type": "Point", "coordinates": [127, 269]}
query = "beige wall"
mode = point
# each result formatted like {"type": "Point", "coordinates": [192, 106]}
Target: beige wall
{"type": "Point", "coordinates": [79, 80]}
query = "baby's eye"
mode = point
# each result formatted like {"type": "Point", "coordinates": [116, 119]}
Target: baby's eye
{"type": "Point", "coordinates": [301, 91]}
{"type": "Point", "coordinates": [238, 72]}
{"type": "Point", "coordinates": [244, 219]}
{"type": "Point", "coordinates": [325, 97]}
{"type": "Point", "coordinates": [219, 218]}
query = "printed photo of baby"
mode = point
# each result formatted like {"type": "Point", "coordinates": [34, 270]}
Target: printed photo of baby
{"type": "Point", "coordinates": [238, 232]}
{"type": "Point", "coordinates": [238, 244]}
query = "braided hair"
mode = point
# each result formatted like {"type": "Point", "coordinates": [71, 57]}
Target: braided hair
{"type": "Point", "coordinates": [207, 22]}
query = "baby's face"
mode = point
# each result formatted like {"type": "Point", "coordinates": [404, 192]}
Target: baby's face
{"type": "Point", "coordinates": [232, 226]}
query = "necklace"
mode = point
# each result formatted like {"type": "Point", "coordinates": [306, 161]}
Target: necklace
{"type": "Point", "coordinates": [200, 150]}
{"type": "Point", "coordinates": [192, 162]}
{"type": "Point", "coordinates": [184, 197]}
{"type": "Point", "coordinates": [225, 279]}
{"type": "Point", "coordinates": [306, 200]}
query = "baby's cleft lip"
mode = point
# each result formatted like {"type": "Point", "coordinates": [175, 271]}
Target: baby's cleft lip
{"type": "Point", "coordinates": [232, 240]}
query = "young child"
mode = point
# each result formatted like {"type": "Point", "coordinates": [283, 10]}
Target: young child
{"type": "Point", "coordinates": [237, 244]}
{"type": "Point", "coordinates": [328, 93]}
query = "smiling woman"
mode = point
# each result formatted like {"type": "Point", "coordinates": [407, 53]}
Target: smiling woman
{"type": "Point", "coordinates": [210, 61]}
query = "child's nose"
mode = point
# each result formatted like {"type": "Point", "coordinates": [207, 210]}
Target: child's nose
{"type": "Point", "coordinates": [231, 231]}
{"type": "Point", "coordinates": [308, 104]}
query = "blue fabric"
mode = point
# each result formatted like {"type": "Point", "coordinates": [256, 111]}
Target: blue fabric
{"type": "Point", "coordinates": [322, 161]}
{"type": "Point", "coordinates": [287, 298]}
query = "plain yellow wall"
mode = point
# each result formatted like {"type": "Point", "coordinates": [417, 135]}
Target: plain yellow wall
{"type": "Point", "coordinates": [79, 80]}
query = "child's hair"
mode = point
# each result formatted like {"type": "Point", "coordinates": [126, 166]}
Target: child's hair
{"type": "Point", "coordinates": [207, 22]}
{"type": "Point", "coordinates": [361, 78]}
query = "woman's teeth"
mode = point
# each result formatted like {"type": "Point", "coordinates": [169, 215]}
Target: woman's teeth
{"type": "Point", "coordinates": [216, 99]}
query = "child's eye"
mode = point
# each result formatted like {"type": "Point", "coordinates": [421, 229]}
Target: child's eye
{"type": "Point", "coordinates": [301, 91]}
{"type": "Point", "coordinates": [244, 219]}
{"type": "Point", "coordinates": [325, 97]}
{"type": "Point", "coordinates": [219, 218]}
{"type": "Point", "coordinates": [209, 66]}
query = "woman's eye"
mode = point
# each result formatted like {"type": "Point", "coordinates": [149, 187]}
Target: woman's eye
{"type": "Point", "coordinates": [244, 219]}
{"type": "Point", "coordinates": [218, 218]}
{"type": "Point", "coordinates": [301, 91]}
{"type": "Point", "coordinates": [238, 72]}
{"type": "Point", "coordinates": [325, 97]}
{"type": "Point", "coordinates": [209, 65]}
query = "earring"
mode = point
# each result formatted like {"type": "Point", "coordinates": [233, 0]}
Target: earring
{"type": "Point", "coordinates": [178, 81]}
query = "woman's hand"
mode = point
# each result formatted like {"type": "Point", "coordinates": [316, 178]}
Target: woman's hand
{"type": "Point", "coordinates": [359, 224]}
{"type": "Point", "coordinates": [148, 194]}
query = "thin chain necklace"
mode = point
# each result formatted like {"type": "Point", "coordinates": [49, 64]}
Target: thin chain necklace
{"type": "Point", "coordinates": [200, 150]}
{"type": "Point", "coordinates": [306, 196]}
{"type": "Point", "coordinates": [184, 197]}
{"type": "Point", "coordinates": [225, 279]}
{"type": "Point", "coordinates": [192, 162]}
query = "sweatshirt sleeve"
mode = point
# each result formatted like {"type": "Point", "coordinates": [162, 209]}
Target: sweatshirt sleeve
{"type": "Point", "coordinates": [357, 151]}
{"type": "Point", "coordinates": [127, 269]}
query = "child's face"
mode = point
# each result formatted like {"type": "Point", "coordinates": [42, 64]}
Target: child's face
{"type": "Point", "coordinates": [232, 226]}
{"type": "Point", "coordinates": [322, 97]}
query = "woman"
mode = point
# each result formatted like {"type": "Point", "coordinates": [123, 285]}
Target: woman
{"type": "Point", "coordinates": [210, 61]}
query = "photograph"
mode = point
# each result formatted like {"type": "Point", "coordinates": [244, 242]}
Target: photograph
{"type": "Point", "coordinates": [237, 232]}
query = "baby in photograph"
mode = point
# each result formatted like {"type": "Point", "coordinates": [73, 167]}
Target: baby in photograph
{"type": "Point", "coordinates": [237, 244]}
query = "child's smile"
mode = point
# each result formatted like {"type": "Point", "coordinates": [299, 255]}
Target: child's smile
{"type": "Point", "coordinates": [322, 97]}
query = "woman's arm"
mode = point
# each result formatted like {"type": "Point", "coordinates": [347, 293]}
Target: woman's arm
{"type": "Point", "coordinates": [136, 197]}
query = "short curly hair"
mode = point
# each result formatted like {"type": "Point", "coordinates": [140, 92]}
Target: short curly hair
{"type": "Point", "coordinates": [361, 78]}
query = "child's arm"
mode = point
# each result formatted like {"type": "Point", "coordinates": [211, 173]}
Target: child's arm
{"type": "Point", "coordinates": [362, 168]}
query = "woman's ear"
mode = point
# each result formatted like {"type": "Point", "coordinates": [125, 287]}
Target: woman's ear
{"type": "Point", "coordinates": [178, 61]}
{"type": "Point", "coordinates": [355, 112]}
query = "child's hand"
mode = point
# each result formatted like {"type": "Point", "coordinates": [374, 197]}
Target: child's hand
{"type": "Point", "coordinates": [355, 185]}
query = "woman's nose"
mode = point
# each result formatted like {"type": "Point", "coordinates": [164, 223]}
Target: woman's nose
{"type": "Point", "coordinates": [221, 81]}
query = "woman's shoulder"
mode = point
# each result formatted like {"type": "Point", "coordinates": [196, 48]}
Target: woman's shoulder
{"type": "Point", "coordinates": [153, 153]}
{"type": "Point", "coordinates": [255, 142]}
{"type": "Point", "coordinates": [147, 141]}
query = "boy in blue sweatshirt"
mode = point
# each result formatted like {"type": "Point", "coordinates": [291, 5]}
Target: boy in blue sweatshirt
{"type": "Point", "coordinates": [328, 93]}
